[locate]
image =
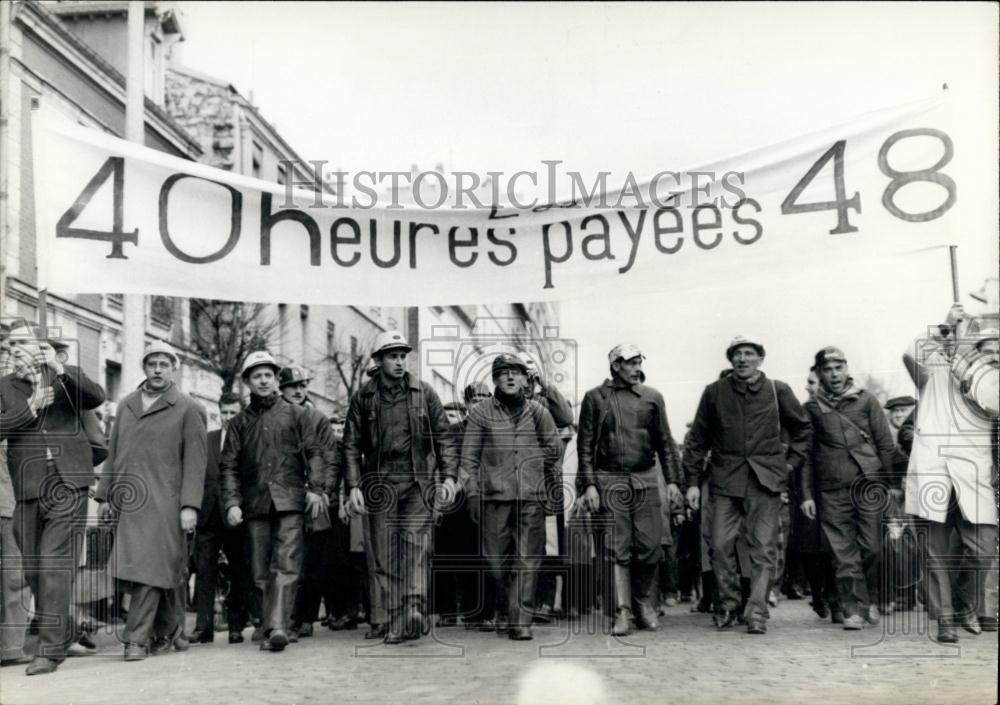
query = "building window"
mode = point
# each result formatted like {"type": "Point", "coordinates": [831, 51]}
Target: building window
{"type": "Point", "coordinates": [331, 339]}
{"type": "Point", "coordinates": [282, 175]}
{"type": "Point", "coordinates": [257, 160]}
{"type": "Point", "coordinates": [354, 348]}
{"type": "Point", "coordinates": [161, 308]}
{"type": "Point", "coordinates": [112, 379]}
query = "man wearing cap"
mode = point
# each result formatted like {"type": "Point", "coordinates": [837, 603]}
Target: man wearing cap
{"type": "Point", "coordinates": [273, 470]}
{"type": "Point", "coordinates": [49, 458]}
{"type": "Point", "coordinates": [397, 448]}
{"type": "Point", "coordinates": [317, 570]}
{"type": "Point", "coordinates": [510, 449]}
{"type": "Point", "coordinates": [740, 420]}
{"type": "Point", "coordinates": [153, 480]}
{"type": "Point", "coordinates": [623, 433]}
{"type": "Point", "coordinates": [845, 481]}
{"type": "Point", "coordinates": [951, 477]}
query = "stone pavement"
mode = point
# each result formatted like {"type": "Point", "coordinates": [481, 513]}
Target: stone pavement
{"type": "Point", "coordinates": [800, 660]}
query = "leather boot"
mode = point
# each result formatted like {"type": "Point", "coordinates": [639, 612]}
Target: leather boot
{"type": "Point", "coordinates": [394, 633]}
{"type": "Point", "coordinates": [706, 604]}
{"type": "Point", "coordinates": [645, 613]}
{"type": "Point", "coordinates": [623, 590]}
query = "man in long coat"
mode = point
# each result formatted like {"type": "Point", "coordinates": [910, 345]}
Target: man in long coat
{"type": "Point", "coordinates": [153, 480]}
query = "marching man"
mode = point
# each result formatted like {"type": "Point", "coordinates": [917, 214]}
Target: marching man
{"type": "Point", "coordinates": [397, 447]}
{"type": "Point", "coordinates": [273, 471]}
{"type": "Point", "coordinates": [623, 432]}
{"type": "Point", "coordinates": [740, 420]}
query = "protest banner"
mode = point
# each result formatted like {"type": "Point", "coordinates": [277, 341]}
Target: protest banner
{"type": "Point", "coordinates": [115, 216]}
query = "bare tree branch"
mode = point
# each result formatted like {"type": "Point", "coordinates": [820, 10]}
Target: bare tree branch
{"type": "Point", "coordinates": [225, 332]}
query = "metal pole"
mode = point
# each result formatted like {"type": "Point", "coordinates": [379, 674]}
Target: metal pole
{"type": "Point", "coordinates": [134, 309]}
{"type": "Point", "coordinates": [953, 251]}
{"type": "Point", "coordinates": [6, 11]}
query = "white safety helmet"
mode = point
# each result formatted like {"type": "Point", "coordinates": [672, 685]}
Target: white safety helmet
{"type": "Point", "coordinates": [390, 340]}
{"type": "Point", "coordinates": [256, 359]}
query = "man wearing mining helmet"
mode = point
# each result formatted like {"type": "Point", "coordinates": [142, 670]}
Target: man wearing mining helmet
{"type": "Point", "coordinates": [623, 431]}
{"type": "Point", "coordinates": [397, 451]}
{"type": "Point", "coordinates": [740, 420]}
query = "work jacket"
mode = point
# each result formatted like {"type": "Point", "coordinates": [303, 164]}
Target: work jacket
{"type": "Point", "coordinates": [433, 454]}
{"type": "Point", "coordinates": [650, 434]}
{"type": "Point", "coordinates": [56, 427]}
{"type": "Point", "coordinates": [271, 455]}
{"type": "Point", "coordinates": [741, 424]}
{"type": "Point", "coordinates": [850, 436]}
{"type": "Point", "coordinates": [507, 456]}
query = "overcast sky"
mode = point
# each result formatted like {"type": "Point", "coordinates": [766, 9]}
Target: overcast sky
{"type": "Point", "coordinates": [642, 88]}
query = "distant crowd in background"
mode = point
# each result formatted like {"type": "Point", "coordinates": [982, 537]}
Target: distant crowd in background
{"type": "Point", "coordinates": [410, 514]}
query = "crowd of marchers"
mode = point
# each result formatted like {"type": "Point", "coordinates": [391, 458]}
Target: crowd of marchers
{"type": "Point", "coordinates": [410, 514]}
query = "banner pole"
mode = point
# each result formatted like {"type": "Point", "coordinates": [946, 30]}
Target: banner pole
{"type": "Point", "coordinates": [953, 252]}
{"type": "Point", "coordinates": [134, 307]}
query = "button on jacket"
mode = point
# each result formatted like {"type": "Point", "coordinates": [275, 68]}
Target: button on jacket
{"type": "Point", "coordinates": [841, 448]}
{"type": "Point", "coordinates": [624, 431]}
{"type": "Point", "coordinates": [507, 456]}
{"type": "Point", "coordinates": [741, 425]}
{"type": "Point", "coordinates": [433, 454]}
{"type": "Point", "coordinates": [271, 454]}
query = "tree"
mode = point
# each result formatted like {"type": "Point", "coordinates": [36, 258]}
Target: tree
{"type": "Point", "coordinates": [348, 366]}
{"type": "Point", "coordinates": [875, 386]}
{"type": "Point", "coordinates": [225, 332]}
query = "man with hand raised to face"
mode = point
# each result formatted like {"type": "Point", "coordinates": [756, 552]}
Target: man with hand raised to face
{"type": "Point", "coordinates": [740, 421]}
{"type": "Point", "coordinates": [50, 463]}
{"type": "Point", "coordinates": [153, 479]}
{"type": "Point", "coordinates": [273, 471]}
{"type": "Point", "coordinates": [623, 432]}
{"type": "Point", "coordinates": [852, 455]}
{"type": "Point", "coordinates": [400, 460]}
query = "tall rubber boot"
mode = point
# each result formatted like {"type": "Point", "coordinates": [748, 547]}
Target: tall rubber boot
{"type": "Point", "coordinates": [623, 594]}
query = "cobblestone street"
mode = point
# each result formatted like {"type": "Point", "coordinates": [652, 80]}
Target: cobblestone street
{"type": "Point", "coordinates": [800, 660]}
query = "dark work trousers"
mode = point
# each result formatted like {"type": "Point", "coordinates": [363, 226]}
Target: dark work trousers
{"type": "Point", "coordinates": [344, 591]}
{"type": "Point", "coordinates": [514, 543]}
{"type": "Point", "coordinates": [668, 573]}
{"type": "Point", "coordinates": [853, 527]}
{"type": "Point", "coordinates": [14, 597]}
{"type": "Point", "coordinates": [153, 613]}
{"type": "Point", "coordinates": [46, 529]}
{"type": "Point", "coordinates": [756, 513]}
{"type": "Point", "coordinates": [581, 588]}
{"type": "Point", "coordinates": [317, 577]}
{"type": "Point", "coordinates": [276, 552]}
{"type": "Point", "coordinates": [210, 539]}
{"type": "Point", "coordinates": [632, 514]}
{"type": "Point", "coordinates": [946, 564]}
{"type": "Point", "coordinates": [358, 590]}
{"type": "Point", "coordinates": [455, 564]}
{"type": "Point", "coordinates": [687, 546]}
{"type": "Point", "coordinates": [817, 566]}
{"type": "Point", "coordinates": [399, 536]}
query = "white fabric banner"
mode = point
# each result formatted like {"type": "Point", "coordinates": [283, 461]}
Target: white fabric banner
{"type": "Point", "coordinates": [117, 217]}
